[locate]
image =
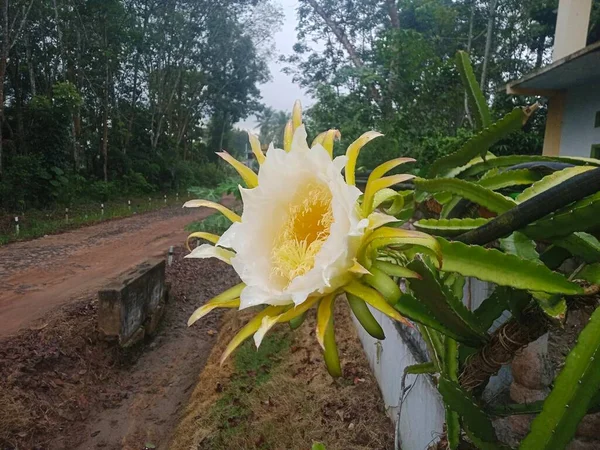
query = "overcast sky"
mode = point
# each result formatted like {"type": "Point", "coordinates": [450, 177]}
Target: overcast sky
{"type": "Point", "coordinates": [280, 92]}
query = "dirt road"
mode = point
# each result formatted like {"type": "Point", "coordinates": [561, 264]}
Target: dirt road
{"type": "Point", "coordinates": [37, 276]}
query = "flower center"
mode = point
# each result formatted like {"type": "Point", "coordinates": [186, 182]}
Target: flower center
{"type": "Point", "coordinates": [302, 235]}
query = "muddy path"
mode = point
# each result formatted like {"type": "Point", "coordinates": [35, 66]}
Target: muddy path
{"type": "Point", "coordinates": [39, 275]}
{"type": "Point", "coordinates": [63, 388]}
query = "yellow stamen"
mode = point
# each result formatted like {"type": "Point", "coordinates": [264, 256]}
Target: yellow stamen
{"type": "Point", "coordinates": [302, 235]}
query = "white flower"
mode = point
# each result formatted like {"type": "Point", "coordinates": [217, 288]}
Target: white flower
{"type": "Point", "coordinates": [304, 236]}
{"type": "Point", "coordinates": [300, 229]}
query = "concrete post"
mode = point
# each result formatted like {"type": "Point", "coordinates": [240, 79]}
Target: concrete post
{"type": "Point", "coordinates": [572, 24]}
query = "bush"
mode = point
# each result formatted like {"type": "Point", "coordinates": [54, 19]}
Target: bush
{"type": "Point", "coordinates": [102, 191]}
{"type": "Point", "coordinates": [208, 175]}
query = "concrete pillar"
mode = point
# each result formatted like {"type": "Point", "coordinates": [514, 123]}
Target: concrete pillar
{"type": "Point", "coordinates": [572, 24]}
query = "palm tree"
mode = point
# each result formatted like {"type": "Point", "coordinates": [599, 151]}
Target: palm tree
{"type": "Point", "coordinates": [272, 123]}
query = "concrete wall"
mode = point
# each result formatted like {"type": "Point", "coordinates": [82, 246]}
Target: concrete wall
{"type": "Point", "coordinates": [131, 306]}
{"type": "Point", "coordinates": [578, 131]}
{"type": "Point", "coordinates": [422, 416]}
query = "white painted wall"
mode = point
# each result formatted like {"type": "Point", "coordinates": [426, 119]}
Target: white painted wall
{"type": "Point", "coordinates": [578, 132]}
{"type": "Point", "coordinates": [422, 416]}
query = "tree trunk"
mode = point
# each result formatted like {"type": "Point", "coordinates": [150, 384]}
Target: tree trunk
{"type": "Point", "coordinates": [469, 44]}
{"type": "Point", "coordinates": [488, 43]}
{"type": "Point", "coordinates": [30, 66]}
{"type": "Point", "coordinates": [3, 61]}
{"type": "Point", "coordinates": [393, 13]}
{"type": "Point", "coordinates": [105, 114]}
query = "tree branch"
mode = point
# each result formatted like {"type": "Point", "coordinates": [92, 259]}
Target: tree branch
{"type": "Point", "coordinates": [529, 211]}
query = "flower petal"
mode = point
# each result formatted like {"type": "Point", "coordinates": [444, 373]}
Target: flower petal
{"type": "Point", "coordinates": [377, 219]}
{"type": "Point", "coordinates": [266, 324]}
{"type": "Point", "coordinates": [297, 115]}
{"type": "Point", "coordinates": [353, 151]}
{"type": "Point", "coordinates": [384, 168]}
{"type": "Point", "coordinates": [319, 139]}
{"type": "Point", "coordinates": [210, 251]}
{"type": "Point", "coordinates": [395, 270]}
{"type": "Point", "coordinates": [233, 293]}
{"type": "Point", "coordinates": [208, 307]}
{"type": "Point", "coordinates": [324, 314]}
{"type": "Point", "coordinates": [249, 329]}
{"type": "Point", "coordinates": [359, 269]}
{"type": "Point", "coordinates": [329, 137]}
{"type": "Point", "coordinates": [247, 174]}
{"type": "Point", "coordinates": [375, 299]}
{"type": "Point", "coordinates": [255, 145]}
{"type": "Point", "coordinates": [214, 238]}
{"type": "Point", "coordinates": [397, 236]}
{"type": "Point", "coordinates": [374, 186]}
{"type": "Point", "coordinates": [208, 204]}
{"type": "Point", "coordinates": [288, 136]}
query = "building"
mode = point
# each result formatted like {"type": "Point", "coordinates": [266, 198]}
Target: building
{"type": "Point", "coordinates": [571, 84]}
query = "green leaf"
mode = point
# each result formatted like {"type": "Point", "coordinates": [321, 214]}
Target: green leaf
{"type": "Point", "coordinates": [513, 160]}
{"type": "Point", "coordinates": [318, 446]}
{"type": "Point", "coordinates": [444, 307]}
{"type": "Point", "coordinates": [520, 245]}
{"type": "Point", "coordinates": [296, 322]}
{"type": "Point", "coordinates": [483, 445]}
{"type": "Point", "coordinates": [514, 409]}
{"type": "Point", "coordinates": [554, 306]}
{"type": "Point", "coordinates": [571, 395]}
{"type": "Point", "coordinates": [417, 369]}
{"type": "Point", "coordinates": [477, 102]}
{"type": "Point", "coordinates": [549, 181]}
{"type": "Point", "coordinates": [491, 200]}
{"type": "Point", "coordinates": [590, 273]}
{"type": "Point", "coordinates": [433, 340]}
{"type": "Point", "coordinates": [418, 311]}
{"type": "Point", "coordinates": [451, 371]}
{"type": "Point", "coordinates": [492, 307]}
{"type": "Point", "coordinates": [554, 256]}
{"type": "Point", "coordinates": [503, 269]}
{"type": "Point", "coordinates": [365, 317]}
{"type": "Point", "coordinates": [448, 227]}
{"type": "Point", "coordinates": [584, 245]}
{"type": "Point", "coordinates": [509, 178]}
{"type": "Point", "coordinates": [480, 143]}
{"type": "Point", "coordinates": [580, 216]}
{"type": "Point", "coordinates": [452, 428]}
{"type": "Point", "coordinates": [456, 284]}
{"type": "Point", "coordinates": [464, 404]}
{"type": "Point", "coordinates": [384, 284]}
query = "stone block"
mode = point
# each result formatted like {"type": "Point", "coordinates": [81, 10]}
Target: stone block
{"type": "Point", "coordinates": [580, 444]}
{"type": "Point", "coordinates": [589, 427]}
{"type": "Point", "coordinates": [131, 306]}
{"type": "Point", "coordinates": [522, 394]}
{"type": "Point", "coordinates": [531, 367]}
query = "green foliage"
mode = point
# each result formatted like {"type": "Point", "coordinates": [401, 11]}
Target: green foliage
{"type": "Point", "coordinates": [461, 402]}
{"type": "Point", "coordinates": [491, 200]}
{"type": "Point", "coordinates": [480, 143]}
{"type": "Point", "coordinates": [120, 102]}
{"type": "Point", "coordinates": [444, 306]}
{"type": "Point", "coordinates": [583, 215]}
{"type": "Point", "coordinates": [476, 99]}
{"type": "Point", "coordinates": [448, 227]}
{"type": "Point", "coordinates": [422, 368]}
{"type": "Point", "coordinates": [365, 317]}
{"type": "Point", "coordinates": [503, 269]}
{"type": "Point", "coordinates": [573, 390]}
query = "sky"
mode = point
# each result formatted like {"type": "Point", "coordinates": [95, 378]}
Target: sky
{"type": "Point", "coordinates": [281, 92]}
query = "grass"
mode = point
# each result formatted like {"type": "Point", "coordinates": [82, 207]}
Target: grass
{"type": "Point", "coordinates": [281, 396]}
{"type": "Point", "coordinates": [38, 223]}
{"type": "Point", "coordinates": [252, 368]}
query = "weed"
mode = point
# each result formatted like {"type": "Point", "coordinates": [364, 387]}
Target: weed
{"type": "Point", "coordinates": [232, 412]}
